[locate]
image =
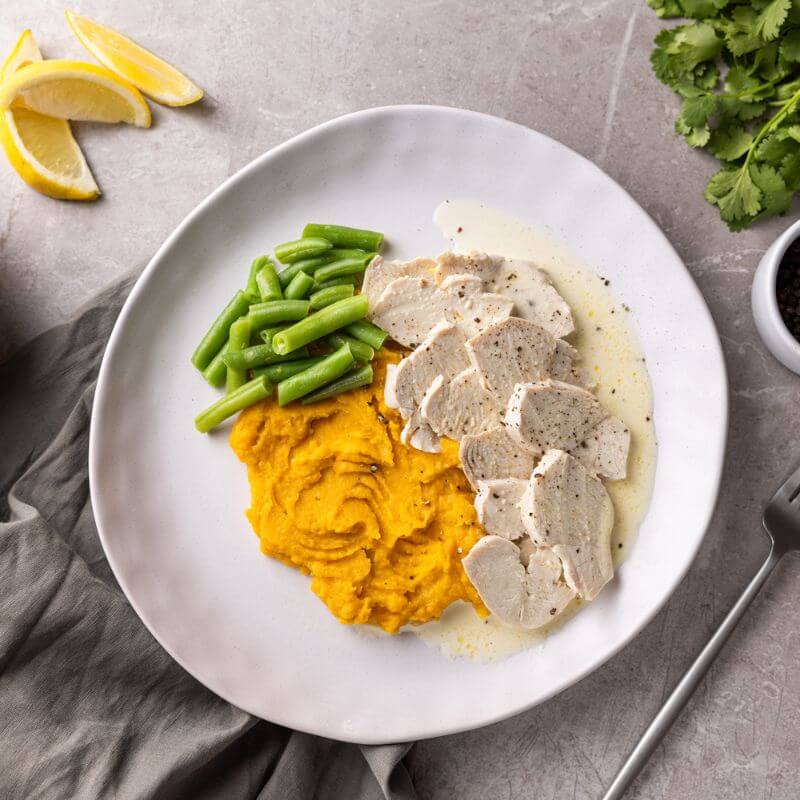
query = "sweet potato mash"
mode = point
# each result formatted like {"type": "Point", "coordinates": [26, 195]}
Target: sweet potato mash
{"type": "Point", "coordinates": [380, 527]}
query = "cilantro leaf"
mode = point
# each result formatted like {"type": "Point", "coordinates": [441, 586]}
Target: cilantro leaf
{"type": "Point", "coordinates": [790, 170]}
{"type": "Point", "coordinates": [735, 193]}
{"type": "Point", "coordinates": [736, 68]}
{"type": "Point", "coordinates": [680, 50]}
{"type": "Point", "coordinates": [768, 24]}
{"type": "Point", "coordinates": [728, 144]}
{"type": "Point", "coordinates": [740, 32]}
{"type": "Point", "coordinates": [695, 111]}
{"type": "Point", "coordinates": [790, 46]}
{"type": "Point", "coordinates": [775, 197]}
{"type": "Point", "coordinates": [666, 9]}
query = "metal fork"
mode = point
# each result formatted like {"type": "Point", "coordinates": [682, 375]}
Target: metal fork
{"type": "Point", "coordinates": [781, 521]}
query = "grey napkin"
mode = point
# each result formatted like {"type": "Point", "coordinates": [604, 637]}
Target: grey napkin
{"type": "Point", "coordinates": [90, 705]}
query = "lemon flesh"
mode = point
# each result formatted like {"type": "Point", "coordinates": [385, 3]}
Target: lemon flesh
{"type": "Point", "coordinates": [42, 149]}
{"type": "Point", "coordinates": [75, 90]}
{"type": "Point", "coordinates": [149, 73]}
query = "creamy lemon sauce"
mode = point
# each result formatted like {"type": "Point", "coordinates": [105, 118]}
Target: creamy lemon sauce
{"type": "Point", "coordinates": [609, 350]}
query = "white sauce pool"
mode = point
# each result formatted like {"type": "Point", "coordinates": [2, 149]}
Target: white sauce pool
{"type": "Point", "coordinates": [610, 351]}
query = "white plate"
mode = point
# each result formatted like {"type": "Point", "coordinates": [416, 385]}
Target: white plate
{"type": "Point", "coordinates": [169, 502]}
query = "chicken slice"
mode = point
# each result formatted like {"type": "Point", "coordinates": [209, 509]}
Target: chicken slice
{"type": "Point", "coordinates": [471, 308]}
{"type": "Point", "coordinates": [380, 274]}
{"type": "Point", "coordinates": [441, 353]}
{"type": "Point", "coordinates": [567, 509]}
{"type": "Point", "coordinates": [497, 505]}
{"type": "Point", "coordinates": [551, 414]}
{"type": "Point", "coordinates": [565, 367]}
{"type": "Point", "coordinates": [535, 298]}
{"type": "Point", "coordinates": [460, 406]}
{"type": "Point", "coordinates": [409, 307]}
{"type": "Point", "coordinates": [417, 433]}
{"type": "Point", "coordinates": [494, 454]}
{"type": "Point", "coordinates": [510, 352]}
{"type": "Point", "coordinates": [604, 451]}
{"type": "Point", "coordinates": [519, 596]}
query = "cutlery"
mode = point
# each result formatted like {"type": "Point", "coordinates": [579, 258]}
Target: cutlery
{"type": "Point", "coordinates": [781, 521]}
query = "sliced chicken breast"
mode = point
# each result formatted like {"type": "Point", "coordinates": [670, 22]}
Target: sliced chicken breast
{"type": "Point", "coordinates": [494, 454]}
{"type": "Point", "coordinates": [460, 406]}
{"type": "Point", "coordinates": [568, 509]}
{"type": "Point", "coordinates": [441, 353]}
{"type": "Point", "coordinates": [409, 307]}
{"type": "Point", "coordinates": [510, 352]}
{"type": "Point", "coordinates": [565, 366]}
{"type": "Point", "coordinates": [417, 433]}
{"type": "Point", "coordinates": [604, 451]}
{"type": "Point", "coordinates": [379, 274]}
{"type": "Point", "coordinates": [535, 298]}
{"type": "Point", "coordinates": [471, 308]}
{"type": "Point", "coordinates": [497, 505]}
{"type": "Point", "coordinates": [551, 414]}
{"type": "Point", "coordinates": [519, 596]}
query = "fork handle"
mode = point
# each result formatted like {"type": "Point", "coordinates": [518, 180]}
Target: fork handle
{"type": "Point", "coordinates": [688, 683]}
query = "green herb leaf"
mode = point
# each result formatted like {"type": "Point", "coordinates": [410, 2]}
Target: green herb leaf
{"type": "Point", "coordinates": [736, 68]}
{"type": "Point", "coordinates": [735, 193]}
{"type": "Point", "coordinates": [790, 46]}
{"type": "Point", "coordinates": [666, 9]}
{"type": "Point", "coordinates": [790, 170]}
{"type": "Point", "coordinates": [680, 50]}
{"type": "Point", "coordinates": [729, 144]}
{"type": "Point", "coordinates": [768, 24]}
{"type": "Point", "coordinates": [775, 197]}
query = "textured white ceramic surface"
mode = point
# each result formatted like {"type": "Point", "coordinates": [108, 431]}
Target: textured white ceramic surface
{"type": "Point", "coordinates": [771, 327]}
{"type": "Point", "coordinates": [169, 502]}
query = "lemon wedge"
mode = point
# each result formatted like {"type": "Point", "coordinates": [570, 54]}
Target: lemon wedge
{"type": "Point", "coordinates": [75, 90]}
{"type": "Point", "coordinates": [153, 76]}
{"type": "Point", "coordinates": [41, 149]}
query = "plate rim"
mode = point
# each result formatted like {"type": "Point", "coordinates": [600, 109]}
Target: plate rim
{"type": "Point", "coordinates": [705, 514]}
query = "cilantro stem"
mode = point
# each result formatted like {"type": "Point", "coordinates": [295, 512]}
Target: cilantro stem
{"type": "Point", "coordinates": [788, 108]}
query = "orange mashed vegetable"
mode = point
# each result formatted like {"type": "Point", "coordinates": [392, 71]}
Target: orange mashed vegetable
{"type": "Point", "coordinates": [381, 528]}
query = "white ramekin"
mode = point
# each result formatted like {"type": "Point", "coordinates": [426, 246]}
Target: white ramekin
{"type": "Point", "coordinates": [764, 300]}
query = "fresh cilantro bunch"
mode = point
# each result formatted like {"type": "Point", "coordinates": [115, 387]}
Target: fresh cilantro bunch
{"type": "Point", "coordinates": [737, 68]}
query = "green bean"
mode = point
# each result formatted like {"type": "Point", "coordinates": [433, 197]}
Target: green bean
{"type": "Point", "coordinates": [342, 280]}
{"type": "Point", "coordinates": [251, 287]}
{"type": "Point", "coordinates": [361, 352]}
{"type": "Point", "coordinates": [212, 342]}
{"type": "Point", "coordinates": [237, 341]}
{"type": "Point", "coordinates": [329, 369]}
{"type": "Point", "coordinates": [299, 286]}
{"type": "Point", "coordinates": [227, 406]}
{"type": "Point", "coordinates": [307, 247]}
{"type": "Point", "coordinates": [265, 315]}
{"type": "Point", "coordinates": [216, 371]}
{"type": "Point", "coordinates": [307, 265]}
{"type": "Point", "coordinates": [368, 333]}
{"type": "Point", "coordinates": [269, 287]}
{"type": "Point", "coordinates": [353, 252]}
{"type": "Point", "coordinates": [330, 294]}
{"type": "Point", "coordinates": [346, 237]}
{"type": "Point", "coordinates": [325, 321]}
{"type": "Point", "coordinates": [352, 380]}
{"type": "Point", "coordinates": [346, 266]}
{"type": "Point", "coordinates": [275, 373]}
{"type": "Point", "coordinates": [267, 334]}
{"type": "Point", "coordinates": [258, 355]}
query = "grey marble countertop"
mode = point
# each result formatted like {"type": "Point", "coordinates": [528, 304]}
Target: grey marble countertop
{"type": "Point", "coordinates": [578, 71]}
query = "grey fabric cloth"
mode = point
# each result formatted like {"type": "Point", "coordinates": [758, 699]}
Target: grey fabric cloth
{"type": "Point", "coordinates": [90, 705]}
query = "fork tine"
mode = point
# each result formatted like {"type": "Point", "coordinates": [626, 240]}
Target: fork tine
{"type": "Point", "coordinates": [789, 489]}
